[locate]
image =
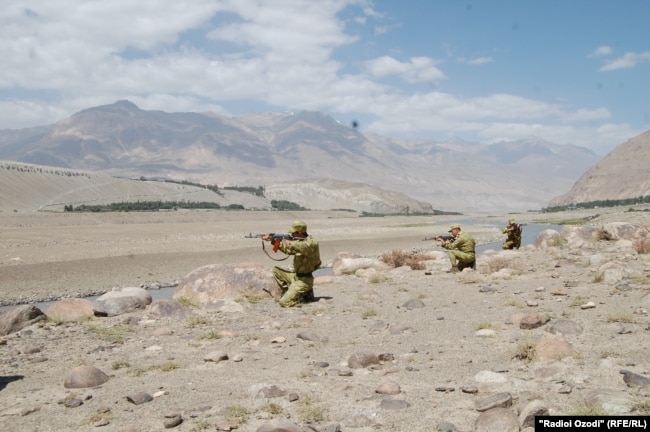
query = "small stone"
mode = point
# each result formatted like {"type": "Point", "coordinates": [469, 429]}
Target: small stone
{"type": "Point", "coordinates": [73, 403]}
{"type": "Point", "coordinates": [139, 398]}
{"type": "Point", "coordinates": [589, 305]}
{"type": "Point", "coordinates": [389, 388]}
{"type": "Point", "coordinates": [172, 422]}
{"type": "Point", "coordinates": [445, 389]}
{"type": "Point", "coordinates": [469, 390]}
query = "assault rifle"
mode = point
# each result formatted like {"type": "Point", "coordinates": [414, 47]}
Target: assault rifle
{"type": "Point", "coordinates": [443, 237]}
{"type": "Point", "coordinates": [276, 239]}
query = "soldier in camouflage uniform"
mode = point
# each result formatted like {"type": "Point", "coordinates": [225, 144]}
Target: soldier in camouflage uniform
{"type": "Point", "coordinates": [297, 284]}
{"type": "Point", "coordinates": [514, 235]}
{"type": "Point", "coordinates": [462, 249]}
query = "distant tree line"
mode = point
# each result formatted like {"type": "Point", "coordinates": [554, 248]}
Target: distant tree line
{"type": "Point", "coordinates": [599, 203]}
{"type": "Point", "coordinates": [213, 188]}
{"type": "Point", "coordinates": [283, 205]}
{"type": "Point", "coordinates": [148, 206]}
{"type": "Point", "coordinates": [257, 191]}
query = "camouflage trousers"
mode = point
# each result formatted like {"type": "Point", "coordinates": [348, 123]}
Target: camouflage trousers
{"type": "Point", "coordinates": [294, 288]}
{"type": "Point", "coordinates": [462, 259]}
{"type": "Point", "coordinates": [511, 244]}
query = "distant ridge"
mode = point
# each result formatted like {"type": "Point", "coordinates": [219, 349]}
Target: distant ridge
{"type": "Point", "coordinates": [266, 149]}
{"type": "Point", "coordinates": [623, 173]}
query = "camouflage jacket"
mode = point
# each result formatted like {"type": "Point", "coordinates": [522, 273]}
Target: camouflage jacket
{"type": "Point", "coordinates": [513, 231]}
{"type": "Point", "coordinates": [306, 254]}
{"type": "Point", "coordinates": [463, 242]}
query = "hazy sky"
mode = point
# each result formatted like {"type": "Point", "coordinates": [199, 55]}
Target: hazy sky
{"type": "Point", "coordinates": [568, 71]}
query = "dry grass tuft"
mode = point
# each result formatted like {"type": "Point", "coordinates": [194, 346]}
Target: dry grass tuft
{"type": "Point", "coordinates": [398, 258]}
{"type": "Point", "coordinates": [642, 246]}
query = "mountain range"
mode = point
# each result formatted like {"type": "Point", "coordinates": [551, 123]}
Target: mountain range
{"type": "Point", "coordinates": [300, 157]}
{"type": "Point", "coordinates": [623, 173]}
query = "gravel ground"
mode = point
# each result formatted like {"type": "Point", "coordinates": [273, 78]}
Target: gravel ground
{"type": "Point", "coordinates": [432, 355]}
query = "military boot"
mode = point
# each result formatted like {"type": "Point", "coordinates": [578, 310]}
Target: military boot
{"type": "Point", "coordinates": [453, 269]}
{"type": "Point", "coordinates": [308, 297]}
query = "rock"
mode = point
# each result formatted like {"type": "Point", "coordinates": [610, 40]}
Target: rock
{"type": "Point", "coordinates": [362, 360]}
{"type": "Point", "coordinates": [496, 419]}
{"type": "Point", "coordinates": [532, 409]}
{"type": "Point", "coordinates": [413, 304]}
{"type": "Point", "coordinates": [18, 318]}
{"type": "Point", "coordinates": [533, 321]}
{"type": "Point", "coordinates": [266, 391]}
{"type": "Point", "coordinates": [138, 292]}
{"type": "Point", "coordinates": [139, 398]}
{"type": "Point", "coordinates": [612, 402]}
{"type": "Point", "coordinates": [547, 239]}
{"type": "Point", "coordinates": [72, 309]}
{"type": "Point", "coordinates": [394, 404]}
{"type": "Point", "coordinates": [623, 231]}
{"type": "Point", "coordinates": [114, 306]}
{"type": "Point", "coordinates": [503, 400]}
{"type": "Point", "coordinates": [553, 349]}
{"type": "Point", "coordinates": [172, 421]}
{"type": "Point", "coordinates": [215, 356]}
{"type": "Point", "coordinates": [215, 282]}
{"type": "Point", "coordinates": [309, 336]}
{"type": "Point", "coordinates": [489, 377]}
{"type": "Point", "coordinates": [633, 379]}
{"type": "Point", "coordinates": [85, 377]}
{"type": "Point", "coordinates": [389, 388]}
{"type": "Point", "coordinates": [347, 263]}
{"type": "Point", "coordinates": [564, 327]}
{"type": "Point", "coordinates": [170, 308]}
{"type": "Point", "coordinates": [578, 237]}
{"type": "Point", "coordinates": [279, 425]}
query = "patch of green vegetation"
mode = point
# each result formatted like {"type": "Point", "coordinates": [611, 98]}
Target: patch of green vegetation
{"type": "Point", "coordinates": [284, 205]}
{"type": "Point", "coordinates": [237, 414]}
{"type": "Point", "coordinates": [309, 411]}
{"type": "Point", "coordinates": [114, 335]}
{"type": "Point", "coordinates": [257, 191]}
{"type": "Point", "coordinates": [599, 203]}
{"type": "Point", "coordinates": [188, 302]}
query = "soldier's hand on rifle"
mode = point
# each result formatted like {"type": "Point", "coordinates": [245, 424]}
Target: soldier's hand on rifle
{"type": "Point", "coordinates": [266, 237]}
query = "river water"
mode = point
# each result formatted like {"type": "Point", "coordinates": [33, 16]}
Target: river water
{"type": "Point", "coordinates": [528, 236]}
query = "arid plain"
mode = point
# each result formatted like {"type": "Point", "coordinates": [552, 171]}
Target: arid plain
{"type": "Point", "coordinates": [444, 360]}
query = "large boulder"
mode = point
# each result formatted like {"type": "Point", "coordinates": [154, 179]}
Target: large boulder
{"type": "Point", "coordinates": [347, 263]}
{"type": "Point", "coordinates": [215, 282]}
{"type": "Point", "coordinates": [623, 231]}
{"type": "Point", "coordinates": [579, 237]}
{"type": "Point", "coordinates": [71, 309]}
{"type": "Point", "coordinates": [548, 238]}
{"type": "Point", "coordinates": [17, 319]}
{"type": "Point", "coordinates": [121, 300]}
{"type": "Point", "coordinates": [85, 377]}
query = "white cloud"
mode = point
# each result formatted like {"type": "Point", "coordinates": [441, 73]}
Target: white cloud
{"type": "Point", "coordinates": [417, 69]}
{"type": "Point", "coordinates": [64, 56]}
{"type": "Point", "coordinates": [628, 61]}
{"type": "Point", "coordinates": [478, 60]}
{"type": "Point", "coordinates": [601, 51]}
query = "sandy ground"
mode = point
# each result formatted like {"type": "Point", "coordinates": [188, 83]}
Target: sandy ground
{"type": "Point", "coordinates": [48, 255]}
{"type": "Point", "coordinates": [432, 354]}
